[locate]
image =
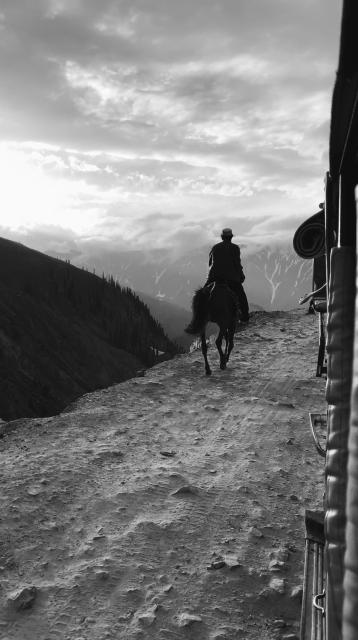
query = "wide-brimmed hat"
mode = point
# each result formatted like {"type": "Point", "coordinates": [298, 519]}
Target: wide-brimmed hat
{"type": "Point", "coordinates": [227, 233]}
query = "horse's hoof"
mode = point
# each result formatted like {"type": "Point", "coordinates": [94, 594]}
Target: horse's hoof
{"type": "Point", "coordinates": [223, 366]}
{"type": "Point", "coordinates": [208, 372]}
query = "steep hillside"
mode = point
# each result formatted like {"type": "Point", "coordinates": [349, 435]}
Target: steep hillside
{"type": "Point", "coordinates": [275, 276]}
{"type": "Point", "coordinates": [170, 506]}
{"type": "Point", "coordinates": [64, 331]}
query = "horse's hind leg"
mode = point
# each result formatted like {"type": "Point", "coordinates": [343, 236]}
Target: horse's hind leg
{"type": "Point", "coordinates": [218, 343]}
{"type": "Point", "coordinates": [230, 342]}
{"type": "Point", "coordinates": [226, 336]}
{"type": "Point", "coordinates": [204, 349]}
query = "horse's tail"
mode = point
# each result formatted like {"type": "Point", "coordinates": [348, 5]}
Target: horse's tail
{"type": "Point", "coordinates": [200, 308]}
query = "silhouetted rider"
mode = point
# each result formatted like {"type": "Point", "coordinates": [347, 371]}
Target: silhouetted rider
{"type": "Point", "coordinates": [225, 267]}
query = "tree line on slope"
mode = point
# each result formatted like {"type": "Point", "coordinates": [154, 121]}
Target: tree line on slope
{"type": "Point", "coordinates": [124, 319]}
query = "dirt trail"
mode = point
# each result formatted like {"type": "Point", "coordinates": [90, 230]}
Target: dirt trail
{"type": "Point", "coordinates": [169, 506]}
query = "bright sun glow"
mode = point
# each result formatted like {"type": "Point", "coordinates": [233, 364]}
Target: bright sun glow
{"type": "Point", "coordinates": [29, 197]}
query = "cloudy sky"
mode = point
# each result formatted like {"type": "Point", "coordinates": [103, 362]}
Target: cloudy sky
{"type": "Point", "coordinates": [150, 123]}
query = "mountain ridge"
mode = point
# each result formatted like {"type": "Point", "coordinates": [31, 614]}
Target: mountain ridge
{"type": "Point", "coordinates": [276, 278]}
{"type": "Point", "coordinates": [65, 332]}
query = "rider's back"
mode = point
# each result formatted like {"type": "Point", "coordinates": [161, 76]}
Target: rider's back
{"type": "Point", "coordinates": [225, 262]}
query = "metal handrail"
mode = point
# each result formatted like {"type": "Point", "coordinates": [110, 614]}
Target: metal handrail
{"type": "Point", "coordinates": [308, 296]}
{"type": "Point", "coordinates": [321, 451]}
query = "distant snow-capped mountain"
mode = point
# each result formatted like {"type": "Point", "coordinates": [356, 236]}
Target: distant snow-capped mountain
{"type": "Point", "coordinates": [275, 277]}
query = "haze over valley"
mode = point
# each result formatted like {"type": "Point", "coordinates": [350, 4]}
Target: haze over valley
{"type": "Point", "coordinates": [275, 276]}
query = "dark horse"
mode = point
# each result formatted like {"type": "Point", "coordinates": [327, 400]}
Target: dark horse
{"type": "Point", "coordinates": [216, 303]}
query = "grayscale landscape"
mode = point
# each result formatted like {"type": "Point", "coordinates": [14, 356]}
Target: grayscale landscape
{"type": "Point", "coordinates": [144, 496]}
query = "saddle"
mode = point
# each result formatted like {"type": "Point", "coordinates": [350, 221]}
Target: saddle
{"type": "Point", "coordinates": [210, 286]}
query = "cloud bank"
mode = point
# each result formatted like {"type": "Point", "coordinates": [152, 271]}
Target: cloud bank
{"type": "Point", "coordinates": [156, 123]}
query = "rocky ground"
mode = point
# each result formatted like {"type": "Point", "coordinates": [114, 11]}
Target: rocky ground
{"type": "Point", "coordinates": [169, 506]}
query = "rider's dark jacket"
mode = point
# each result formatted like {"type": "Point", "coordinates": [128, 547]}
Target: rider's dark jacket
{"type": "Point", "coordinates": [225, 262]}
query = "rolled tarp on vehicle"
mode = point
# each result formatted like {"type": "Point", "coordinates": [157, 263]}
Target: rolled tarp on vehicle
{"type": "Point", "coordinates": [309, 239]}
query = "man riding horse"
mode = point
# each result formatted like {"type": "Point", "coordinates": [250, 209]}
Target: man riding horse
{"type": "Point", "coordinates": [225, 268]}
